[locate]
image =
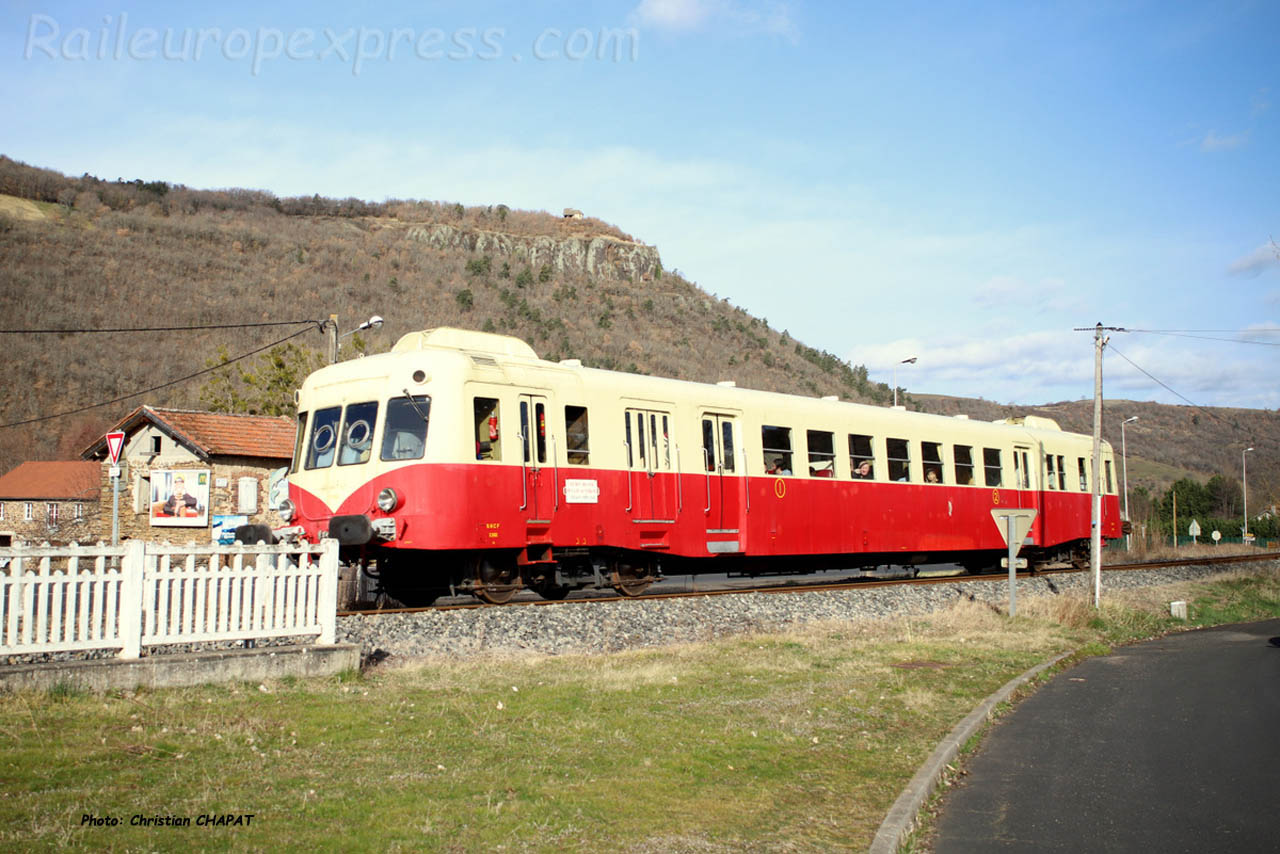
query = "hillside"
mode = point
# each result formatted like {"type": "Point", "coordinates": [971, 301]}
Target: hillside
{"type": "Point", "coordinates": [82, 253]}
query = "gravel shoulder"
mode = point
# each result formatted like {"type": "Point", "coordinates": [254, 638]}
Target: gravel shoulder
{"type": "Point", "coordinates": [604, 627]}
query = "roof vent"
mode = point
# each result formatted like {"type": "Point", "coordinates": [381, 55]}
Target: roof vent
{"type": "Point", "coordinates": [962, 417]}
{"type": "Point", "coordinates": [831, 397]}
{"type": "Point", "coordinates": [571, 363]}
{"type": "Point", "coordinates": [727, 384]}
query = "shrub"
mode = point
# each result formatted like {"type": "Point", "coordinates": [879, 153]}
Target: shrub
{"type": "Point", "coordinates": [465, 299]}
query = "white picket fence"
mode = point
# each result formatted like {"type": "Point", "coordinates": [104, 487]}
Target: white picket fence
{"type": "Point", "coordinates": [55, 599]}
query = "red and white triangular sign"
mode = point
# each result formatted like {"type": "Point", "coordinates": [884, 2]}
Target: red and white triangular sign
{"type": "Point", "coordinates": [115, 441]}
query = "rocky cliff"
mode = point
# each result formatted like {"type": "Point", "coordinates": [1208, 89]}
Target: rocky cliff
{"type": "Point", "coordinates": [597, 256]}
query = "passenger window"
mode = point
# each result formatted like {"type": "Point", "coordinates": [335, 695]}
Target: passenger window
{"type": "Point", "coordinates": [526, 440]}
{"type": "Point", "coordinates": [575, 433]}
{"type": "Point", "coordinates": [991, 464]}
{"type": "Point", "coordinates": [963, 464]}
{"type": "Point", "coordinates": [357, 433]}
{"type": "Point", "coordinates": [540, 410]}
{"type": "Point", "coordinates": [1084, 475]}
{"type": "Point", "coordinates": [899, 460]}
{"type": "Point", "coordinates": [861, 460]}
{"type": "Point", "coordinates": [404, 437]}
{"type": "Point", "coordinates": [709, 444]}
{"type": "Point", "coordinates": [666, 442]}
{"type": "Point", "coordinates": [1050, 480]}
{"type": "Point", "coordinates": [626, 419]}
{"type": "Point", "coordinates": [822, 453]}
{"type": "Point", "coordinates": [1021, 475]}
{"type": "Point", "coordinates": [1062, 473]}
{"type": "Point", "coordinates": [1107, 465]}
{"type": "Point", "coordinates": [488, 434]}
{"type": "Point", "coordinates": [324, 437]}
{"type": "Point", "coordinates": [932, 457]}
{"type": "Point", "coordinates": [726, 435]}
{"type": "Point", "coordinates": [299, 440]}
{"type": "Point", "coordinates": [776, 443]}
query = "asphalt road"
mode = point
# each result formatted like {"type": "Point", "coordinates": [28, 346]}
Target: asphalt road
{"type": "Point", "coordinates": [1167, 746]}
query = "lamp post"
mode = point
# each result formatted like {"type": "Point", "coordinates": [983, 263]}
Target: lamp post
{"type": "Point", "coordinates": [910, 361]}
{"type": "Point", "coordinates": [1124, 462]}
{"type": "Point", "coordinates": [1244, 474]}
{"type": "Point", "coordinates": [332, 324]}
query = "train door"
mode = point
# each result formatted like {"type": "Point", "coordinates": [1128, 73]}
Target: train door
{"type": "Point", "coordinates": [537, 462]}
{"type": "Point", "coordinates": [650, 463]}
{"type": "Point", "coordinates": [1026, 482]}
{"type": "Point", "coordinates": [722, 464]}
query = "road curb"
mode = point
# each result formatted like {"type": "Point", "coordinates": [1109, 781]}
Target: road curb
{"type": "Point", "coordinates": [901, 817]}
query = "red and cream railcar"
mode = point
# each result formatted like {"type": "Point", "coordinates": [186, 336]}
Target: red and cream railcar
{"type": "Point", "coordinates": [460, 459]}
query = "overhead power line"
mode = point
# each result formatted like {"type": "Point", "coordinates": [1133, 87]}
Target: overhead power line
{"type": "Point", "coordinates": [159, 328]}
{"type": "Point", "coordinates": [218, 366]}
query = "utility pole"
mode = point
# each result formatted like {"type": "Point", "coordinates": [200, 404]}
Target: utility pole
{"type": "Point", "coordinates": [332, 326]}
{"type": "Point", "coordinates": [1095, 540]}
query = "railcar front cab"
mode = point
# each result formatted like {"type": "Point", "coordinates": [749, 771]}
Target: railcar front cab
{"type": "Point", "coordinates": [340, 448]}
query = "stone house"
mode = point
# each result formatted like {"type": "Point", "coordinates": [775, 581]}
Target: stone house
{"type": "Point", "coordinates": [194, 476]}
{"type": "Point", "coordinates": [53, 501]}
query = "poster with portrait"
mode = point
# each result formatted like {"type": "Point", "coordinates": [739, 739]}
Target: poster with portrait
{"type": "Point", "coordinates": [180, 498]}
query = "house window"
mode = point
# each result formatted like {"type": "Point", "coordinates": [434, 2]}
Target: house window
{"type": "Point", "coordinates": [51, 512]}
{"type": "Point", "coordinates": [1, 511]}
{"type": "Point", "coordinates": [28, 512]}
{"type": "Point", "coordinates": [155, 444]}
{"type": "Point", "coordinates": [79, 512]}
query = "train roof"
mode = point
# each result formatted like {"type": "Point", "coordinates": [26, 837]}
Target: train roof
{"type": "Point", "coordinates": [520, 363]}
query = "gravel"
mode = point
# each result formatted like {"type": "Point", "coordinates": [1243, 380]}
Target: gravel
{"type": "Point", "coordinates": [599, 627]}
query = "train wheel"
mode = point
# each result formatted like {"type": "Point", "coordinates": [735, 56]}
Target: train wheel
{"type": "Point", "coordinates": [631, 579]}
{"type": "Point", "coordinates": [496, 579]}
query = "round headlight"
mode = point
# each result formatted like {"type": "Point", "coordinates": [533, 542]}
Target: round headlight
{"type": "Point", "coordinates": [388, 500]}
{"type": "Point", "coordinates": [286, 510]}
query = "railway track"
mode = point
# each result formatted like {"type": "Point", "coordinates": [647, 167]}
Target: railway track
{"type": "Point", "coordinates": [805, 587]}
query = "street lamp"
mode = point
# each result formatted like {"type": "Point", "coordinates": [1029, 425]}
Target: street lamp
{"type": "Point", "coordinates": [1244, 474]}
{"type": "Point", "coordinates": [910, 361]}
{"type": "Point", "coordinates": [373, 322]}
{"type": "Point", "coordinates": [1124, 462]}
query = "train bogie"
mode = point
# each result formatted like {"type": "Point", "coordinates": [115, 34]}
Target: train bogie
{"type": "Point", "coordinates": [460, 461]}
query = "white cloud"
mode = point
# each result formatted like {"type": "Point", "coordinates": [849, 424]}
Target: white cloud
{"type": "Point", "coordinates": [1265, 257]}
{"type": "Point", "coordinates": [737, 17]}
{"type": "Point", "coordinates": [1213, 142]}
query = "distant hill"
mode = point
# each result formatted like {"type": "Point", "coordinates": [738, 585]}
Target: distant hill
{"type": "Point", "coordinates": [84, 253]}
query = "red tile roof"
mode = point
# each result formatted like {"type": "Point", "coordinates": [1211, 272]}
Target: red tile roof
{"type": "Point", "coordinates": [214, 433]}
{"type": "Point", "coordinates": [67, 480]}
{"type": "Point", "coordinates": [232, 435]}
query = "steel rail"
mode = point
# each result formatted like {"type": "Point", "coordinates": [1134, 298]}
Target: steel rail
{"type": "Point", "coordinates": [829, 586]}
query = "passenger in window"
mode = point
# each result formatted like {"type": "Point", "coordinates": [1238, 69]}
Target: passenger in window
{"type": "Point", "coordinates": [776, 467]}
{"type": "Point", "coordinates": [931, 476]}
{"type": "Point", "coordinates": [863, 470]}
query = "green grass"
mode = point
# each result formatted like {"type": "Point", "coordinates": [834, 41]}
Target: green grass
{"type": "Point", "coordinates": [795, 742]}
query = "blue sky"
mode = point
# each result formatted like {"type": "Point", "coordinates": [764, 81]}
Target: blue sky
{"type": "Point", "coordinates": [961, 182]}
